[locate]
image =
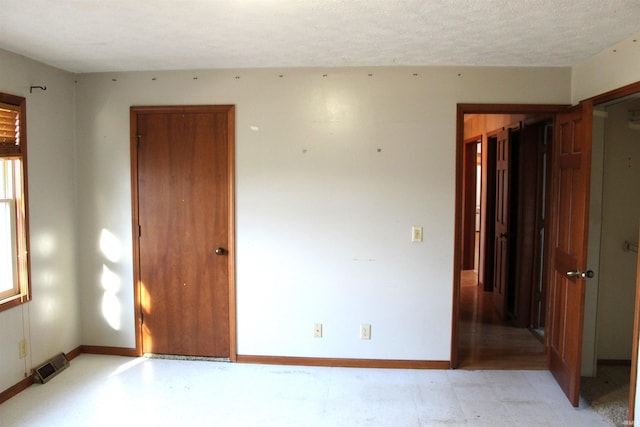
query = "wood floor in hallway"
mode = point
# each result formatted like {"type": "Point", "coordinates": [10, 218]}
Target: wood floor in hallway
{"type": "Point", "coordinates": [486, 341]}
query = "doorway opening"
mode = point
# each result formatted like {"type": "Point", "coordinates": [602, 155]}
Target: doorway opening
{"type": "Point", "coordinates": [573, 135]}
{"type": "Point", "coordinates": [486, 336]}
{"type": "Point", "coordinates": [501, 305]}
{"type": "Point", "coordinates": [613, 239]}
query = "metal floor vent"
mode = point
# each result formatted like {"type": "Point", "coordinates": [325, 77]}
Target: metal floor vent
{"type": "Point", "coordinates": [51, 368]}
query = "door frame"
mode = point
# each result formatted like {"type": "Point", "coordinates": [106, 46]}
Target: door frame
{"type": "Point", "coordinates": [137, 288]}
{"type": "Point", "coordinates": [634, 347]}
{"type": "Point", "coordinates": [612, 95]}
{"type": "Point", "coordinates": [462, 109]}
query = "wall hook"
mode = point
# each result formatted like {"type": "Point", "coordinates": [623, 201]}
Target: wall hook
{"type": "Point", "coordinates": [37, 87]}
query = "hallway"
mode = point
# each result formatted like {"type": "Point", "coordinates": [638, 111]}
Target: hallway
{"type": "Point", "coordinates": [486, 341]}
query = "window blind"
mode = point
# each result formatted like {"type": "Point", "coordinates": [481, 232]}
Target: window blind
{"type": "Point", "coordinates": [9, 130]}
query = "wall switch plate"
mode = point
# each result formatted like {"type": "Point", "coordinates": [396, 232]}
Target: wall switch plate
{"type": "Point", "coordinates": [416, 234]}
{"type": "Point", "coordinates": [365, 331]}
{"type": "Point", "coordinates": [317, 330]}
{"type": "Point", "coordinates": [22, 348]}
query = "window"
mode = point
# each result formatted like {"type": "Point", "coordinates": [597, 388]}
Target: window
{"type": "Point", "coordinates": [14, 239]}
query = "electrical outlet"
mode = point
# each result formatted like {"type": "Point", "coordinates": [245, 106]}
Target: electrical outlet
{"type": "Point", "coordinates": [416, 234]}
{"type": "Point", "coordinates": [22, 348]}
{"type": "Point", "coordinates": [317, 330]}
{"type": "Point", "coordinates": [365, 331]}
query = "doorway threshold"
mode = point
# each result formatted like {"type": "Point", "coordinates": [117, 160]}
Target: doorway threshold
{"type": "Point", "coordinates": [184, 357]}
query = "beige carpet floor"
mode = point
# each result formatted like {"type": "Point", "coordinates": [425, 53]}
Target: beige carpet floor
{"type": "Point", "coordinates": [608, 393]}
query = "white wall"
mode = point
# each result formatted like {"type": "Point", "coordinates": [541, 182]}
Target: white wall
{"type": "Point", "coordinates": [49, 323]}
{"type": "Point", "coordinates": [323, 236]}
{"type": "Point", "coordinates": [612, 68]}
{"type": "Point", "coordinates": [620, 214]}
{"type": "Point", "coordinates": [332, 171]}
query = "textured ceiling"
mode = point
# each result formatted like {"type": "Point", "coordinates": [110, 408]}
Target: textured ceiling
{"type": "Point", "coordinates": [127, 35]}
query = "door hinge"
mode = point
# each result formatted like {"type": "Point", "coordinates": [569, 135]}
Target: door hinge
{"type": "Point", "coordinates": [141, 316]}
{"type": "Point", "coordinates": [139, 230]}
{"type": "Point", "coordinates": [138, 140]}
{"type": "Point", "coordinates": [538, 296]}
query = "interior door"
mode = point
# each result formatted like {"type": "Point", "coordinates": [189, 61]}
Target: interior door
{"type": "Point", "coordinates": [528, 171]}
{"type": "Point", "coordinates": [571, 166]}
{"type": "Point", "coordinates": [502, 212]}
{"type": "Point", "coordinates": [184, 211]}
{"type": "Point", "coordinates": [469, 212]}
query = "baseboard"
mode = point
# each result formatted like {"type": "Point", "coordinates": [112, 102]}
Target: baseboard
{"type": "Point", "coordinates": [29, 381]}
{"type": "Point", "coordinates": [111, 351]}
{"type": "Point", "coordinates": [89, 349]}
{"type": "Point", "coordinates": [74, 353]}
{"type": "Point", "coordinates": [17, 388]}
{"type": "Point", "coordinates": [266, 360]}
{"type": "Point", "coordinates": [345, 363]}
{"type": "Point", "coordinates": [614, 362]}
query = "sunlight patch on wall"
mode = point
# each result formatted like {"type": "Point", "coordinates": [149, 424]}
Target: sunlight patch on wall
{"type": "Point", "coordinates": [110, 246]}
{"type": "Point", "coordinates": [111, 283]}
{"type": "Point", "coordinates": [111, 310]}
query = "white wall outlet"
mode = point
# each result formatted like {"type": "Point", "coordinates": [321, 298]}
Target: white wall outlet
{"type": "Point", "coordinates": [317, 330]}
{"type": "Point", "coordinates": [22, 348]}
{"type": "Point", "coordinates": [416, 234]}
{"type": "Point", "coordinates": [365, 331]}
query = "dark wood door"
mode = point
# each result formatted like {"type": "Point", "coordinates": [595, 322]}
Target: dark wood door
{"type": "Point", "coordinates": [184, 211]}
{"type": "Point", "coordinates": [502, 212]}
{"type": "Point", "coordinates": [528, 168]}
{"type": "Point", "coordinates": [571, 165]}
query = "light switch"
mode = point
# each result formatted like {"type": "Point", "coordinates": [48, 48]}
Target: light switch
{"type": "Point", "coordinates": [416, 234]}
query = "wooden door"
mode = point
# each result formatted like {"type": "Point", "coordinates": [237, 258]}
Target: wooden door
{"type": "Point", "coordinates": [184, 211]}
{"type": "Point", "coordinates": [528, 168]}
{"type": "Point", "coordinates": [485, 274]}
{"type": "Point", "coordinates": [502, 212]}
{"type": "Point", "coordinates": [470, 173]}
{"type": "Point", "coordinates": [571, 165]}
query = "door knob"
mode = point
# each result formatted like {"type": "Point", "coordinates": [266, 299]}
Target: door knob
{"type": "Point", "coordinates": [221, 251]}
{"type": "Point", "coordinates": [581, 274]}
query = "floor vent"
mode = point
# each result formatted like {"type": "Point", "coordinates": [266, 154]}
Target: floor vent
{"type": "Point", "coordinates": [51, 368]}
